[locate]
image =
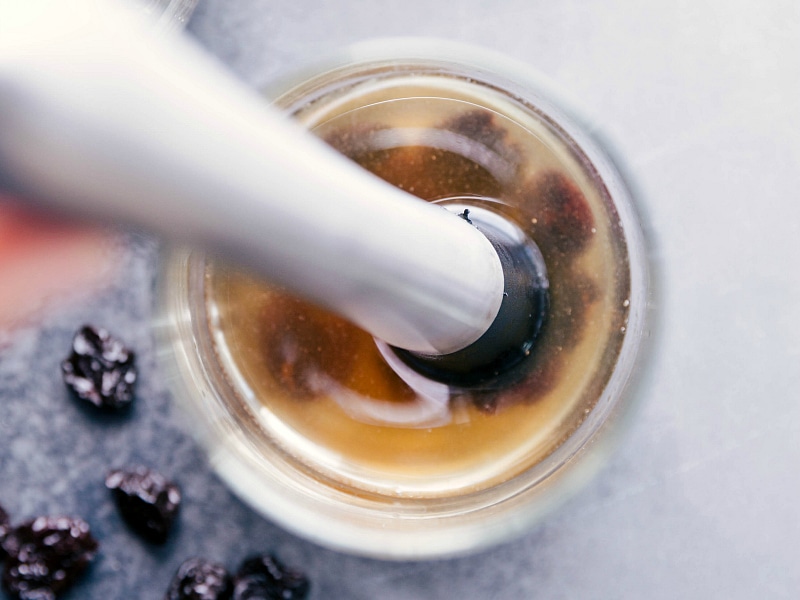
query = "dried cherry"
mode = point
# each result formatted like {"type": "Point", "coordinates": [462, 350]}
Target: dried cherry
{"type": "Point", "coordinates": [5, 527]}
{"type": "Point", "coordinates": [46, 555]}
{"type": "Point", "coordinates": [481, 126]}
{"type": "Point", "coordinates": [100, 369]}
{"type": "Point", "coordinates": [147, 500]}
{"type": "Point", "coordinates": [266, 578]}
{"type": "Point", "coordinates": [561, 216]}
{"type": "Point", "coordinates": [200, 579]}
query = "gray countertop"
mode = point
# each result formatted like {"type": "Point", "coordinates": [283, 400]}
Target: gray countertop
{"type": "Point", "coordinates": [699, 501]}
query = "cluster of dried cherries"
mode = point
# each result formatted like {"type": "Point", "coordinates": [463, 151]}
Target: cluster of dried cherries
{"type": "Point", "coordinates": [45, 555]}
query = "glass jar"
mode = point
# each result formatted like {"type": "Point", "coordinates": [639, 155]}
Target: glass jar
{"type": "Point", "coordinates": [319, 427]}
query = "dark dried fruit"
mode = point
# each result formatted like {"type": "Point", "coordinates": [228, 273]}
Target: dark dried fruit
{"type": "Point", "coordinates": [560, 215]}
{"type": "Point", "coordinates": [490, 147]}
{"type": "Point", "coordinates": [200, 579]}
{"type": "Point", "coordinates": [480, 126]}
{"type": "Point", "coordinates": [100, 369]}
{"type": "Point", "coordinates": [46, 555]}
{"type": "Point", "coordinates": [265, 578]}
{"type": "Point", "coordinates": [146, 500]}
{"type": "Point", "coordinates": [5, 527]}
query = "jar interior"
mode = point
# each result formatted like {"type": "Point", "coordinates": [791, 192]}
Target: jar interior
{"type": "Point", "coordinates": [327, 395]}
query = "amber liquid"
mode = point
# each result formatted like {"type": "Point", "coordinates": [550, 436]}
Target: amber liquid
{"type": "Point", "coordinates": [323, 389]}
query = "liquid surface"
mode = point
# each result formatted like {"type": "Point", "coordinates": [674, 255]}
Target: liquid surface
{"type": "Point", "coordinates": [326, 392]}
